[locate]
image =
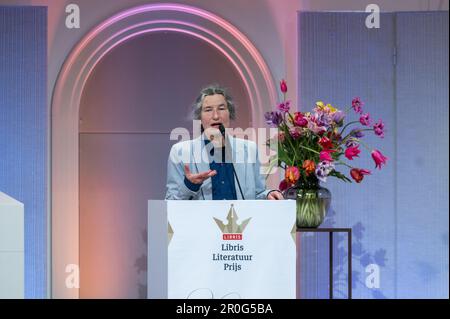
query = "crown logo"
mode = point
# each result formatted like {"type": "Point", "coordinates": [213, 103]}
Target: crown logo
{"type": "Point", "coordinates": [232, 227]}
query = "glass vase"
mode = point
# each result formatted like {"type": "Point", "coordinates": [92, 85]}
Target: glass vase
{"type": "Point", "coordinates": [313, 202]}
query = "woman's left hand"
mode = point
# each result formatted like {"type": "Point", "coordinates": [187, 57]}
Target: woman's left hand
{"type": "Point", "coordinates": [275, 195]}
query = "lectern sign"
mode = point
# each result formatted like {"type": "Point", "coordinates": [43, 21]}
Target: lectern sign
{"type": "Point", "coordinates": [222, 249]}
{"type": "Point", "coordinates": [232, 231]}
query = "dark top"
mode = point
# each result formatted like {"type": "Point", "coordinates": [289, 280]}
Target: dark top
{"type": "Point", "coordinates": [223, 182]}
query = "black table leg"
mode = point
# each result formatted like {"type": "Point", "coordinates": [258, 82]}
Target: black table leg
{"type": "Point", "coordinates": [331, 264]}
{"type": "Point", "coordinates": [349, 264]}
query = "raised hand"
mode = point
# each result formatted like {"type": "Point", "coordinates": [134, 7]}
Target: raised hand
{"type": "Point", "coordinates": [199, 177]}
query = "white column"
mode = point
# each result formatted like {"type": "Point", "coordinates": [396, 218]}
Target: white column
{"type": "Point", "coordinates": [11, 248]}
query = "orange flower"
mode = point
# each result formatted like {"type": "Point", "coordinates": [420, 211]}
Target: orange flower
{"type": "Point", "coordinates": [292, 174]}
{"type": "Point", "coordinates": [309, 166]}
{"type": "Point", "coordinates": [358, 174]}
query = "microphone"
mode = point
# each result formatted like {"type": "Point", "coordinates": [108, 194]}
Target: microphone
{"type": "Point", "coordinates": [222, 131]}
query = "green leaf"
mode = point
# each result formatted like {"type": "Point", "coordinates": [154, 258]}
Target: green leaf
{"type": "Point", "coordinates": [340, 176]}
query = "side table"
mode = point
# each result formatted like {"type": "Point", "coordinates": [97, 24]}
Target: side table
{"type": "Point", "coordinates": [330, 231]}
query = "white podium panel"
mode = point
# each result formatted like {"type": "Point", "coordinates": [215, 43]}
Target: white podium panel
{"type": "Point", "coordinates": [221, 249]}
{"type": "Point", "coordinates": [11, 248]}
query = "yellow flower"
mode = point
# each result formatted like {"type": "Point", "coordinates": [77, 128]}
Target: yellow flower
{"type": "Point", "coordinates": [326, 108]}
{"type": "Point", "coordinates": [331, 108]}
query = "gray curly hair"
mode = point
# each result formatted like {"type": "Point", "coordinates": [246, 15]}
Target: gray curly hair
{"type": "Point", "coordinates": [211, 90]}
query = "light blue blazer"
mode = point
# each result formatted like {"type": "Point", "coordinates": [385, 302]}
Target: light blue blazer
{"type": "Point", "coordinates": [194, 153]}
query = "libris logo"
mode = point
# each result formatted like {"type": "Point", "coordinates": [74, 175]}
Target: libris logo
{"type": "Point", "coordinates": [232, 230]}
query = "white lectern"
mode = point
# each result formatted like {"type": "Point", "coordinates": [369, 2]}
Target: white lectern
{"type": "Point", "coordinates": [11, 248]}
{"type": "Point", "coordinates": [221, 249]}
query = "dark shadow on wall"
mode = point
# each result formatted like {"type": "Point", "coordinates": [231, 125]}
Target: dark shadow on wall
{"type": "Point", "coordinates": [314, 264]}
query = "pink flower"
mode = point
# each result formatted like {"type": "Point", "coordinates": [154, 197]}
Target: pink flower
{"type": "Point", "coordinates": [281, 137]}
{"type": "Point", "coordinates": [292, 174]}
{"type": "Point", "coordinates": [365, 119]}
{"type": "Point", "coordinates": [316, 129]}
{"type": "Point", "coordinates": [283, 86]}
{"type": "Point", "coordinates": [284, 106]}
{"type": "Point", "coordinates": [300, 120]}
{"type": "Point", "coordinates": [379, 128]}
{"type": "Point", "coordinates": [295, 132]}
{"type": "Point", "coordinates": [357, 104]}
{"type": "Point", "coordinates": [379, 158]}
{"type": "Point", "coordinates": [358, 174]}
{"type": "Point", "coordinates": [351, 152]}
{"type": "Point", "coordinates": [325, 155]}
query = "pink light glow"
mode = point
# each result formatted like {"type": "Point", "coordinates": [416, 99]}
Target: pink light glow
{"type": "Point", "coordinates": [174, 30]}
{"type": "Point", "coordinates": [198, 12]}
{"type": "Point", "coordinates": [179, 8]}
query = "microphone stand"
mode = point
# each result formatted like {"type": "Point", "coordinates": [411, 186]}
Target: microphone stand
{"type": "Point", "coordinates": [222, 131]}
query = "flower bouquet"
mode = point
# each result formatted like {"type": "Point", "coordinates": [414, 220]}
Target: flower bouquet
{"type": "Point", "coordinates": [312, 145]}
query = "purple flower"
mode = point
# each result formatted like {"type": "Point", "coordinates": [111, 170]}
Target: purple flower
{"type": "Point", "coordinates": [357, 104]}
{"type": "Point", "coordinates": [379, 128]}
{"type": "Point", "coordinates": [322, 119]}
{"type": "Point", "coordinates": [323, 169]}
{"type": "Point", "coordinates": [365, 119]}
{"type": "Point", "coordinates": [351, 143]}
{"type": "Point", "coordinates": [356, 132]}
{"type": "Point", "coordinates": [338, 116]}
{"type": "Point", "coordinates": [284, 106]}
{"type": "Point", "coordinates": [273, 118]}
